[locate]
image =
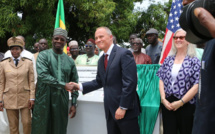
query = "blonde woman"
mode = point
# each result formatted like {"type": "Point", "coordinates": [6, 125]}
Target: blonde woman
{"type": "Point", "coordinates": [178, 85]}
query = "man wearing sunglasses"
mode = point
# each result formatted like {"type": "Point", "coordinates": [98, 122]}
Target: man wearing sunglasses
{"type": "Point", "coordinates": [89, 58]}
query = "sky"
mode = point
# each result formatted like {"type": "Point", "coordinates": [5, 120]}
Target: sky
{"type": "Point", "coordinates": [141, 6]}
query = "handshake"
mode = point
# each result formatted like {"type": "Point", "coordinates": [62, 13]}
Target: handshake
{"type": "Point", "coordinates": [72, 86]}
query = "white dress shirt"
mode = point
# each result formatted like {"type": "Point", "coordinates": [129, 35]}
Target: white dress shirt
{"type": "Point", "coordinates": [102, 52]}
{"type": "Point", "coordinates": [15, 61]}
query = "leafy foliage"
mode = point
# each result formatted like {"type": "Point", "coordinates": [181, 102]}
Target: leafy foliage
{"type": "Point", "coordinates": [156, 16]}
{"type": "Point", "coordinates": [82, 19]}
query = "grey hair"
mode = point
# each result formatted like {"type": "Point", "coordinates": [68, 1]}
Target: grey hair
{"type": "Point", "coordinates": [106, 28]}
{"type": "Point", "coordinates": [139, 39]}
{"type": "Point", "coordinates": [191, 49]}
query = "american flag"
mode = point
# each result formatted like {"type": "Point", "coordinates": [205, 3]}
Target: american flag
{"type": "Point", "coordinates": [172, 26]}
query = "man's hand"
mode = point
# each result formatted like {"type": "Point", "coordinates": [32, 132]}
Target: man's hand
{"type": "Point", "coordinates": [120, 113]}
{"type": "Point", "coordinates": [30, 104]}
{"type": "Point", "coordinates": [72, 111]}
{"type": "Point", "coordinates": [1, 106]}
{"type": "Point", "coordinates": [206, 19]}
{"type": "Point", "coordinates": [176, 104]}
{"type": "Point", "coordinates": [71, 86]}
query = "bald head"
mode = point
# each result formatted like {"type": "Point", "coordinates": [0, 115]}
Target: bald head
{"type": "Point", "coordinates": [43, 44]}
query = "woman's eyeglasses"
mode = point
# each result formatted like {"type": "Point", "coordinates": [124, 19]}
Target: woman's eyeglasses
{"type": "Point", "coordinates": [179, 37]}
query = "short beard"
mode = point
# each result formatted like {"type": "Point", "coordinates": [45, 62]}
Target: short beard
{"type": "Point", "coordinates": [59, 50]}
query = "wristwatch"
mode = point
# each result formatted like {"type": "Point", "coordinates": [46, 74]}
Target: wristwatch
{"type": "Point", "coordinates": [1, 101]}
{"type": "Point", "coordinates": [123, 108]}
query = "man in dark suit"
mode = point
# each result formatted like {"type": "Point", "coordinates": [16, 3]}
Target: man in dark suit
{"type": "Point", "coordinates": [117, 74]}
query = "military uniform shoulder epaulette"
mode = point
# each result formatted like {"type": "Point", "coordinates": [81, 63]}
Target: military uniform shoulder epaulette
{"type": "Point", "coordinates": [23, 58]}
{"type": "Point", "coordinates": [5, 59]}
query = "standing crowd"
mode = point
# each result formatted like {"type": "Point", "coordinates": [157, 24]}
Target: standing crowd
{"type": "Point", "coordinates": [57, 75]}
{"type": "Point", "coordinates": [54, 75]}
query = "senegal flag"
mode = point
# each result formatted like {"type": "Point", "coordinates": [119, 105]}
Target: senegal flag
{"type": "Point", "coordinates": [60, 19]}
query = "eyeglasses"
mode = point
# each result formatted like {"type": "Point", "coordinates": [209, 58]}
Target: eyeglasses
{"type": "Point", "coordinates": [178, 37]}
{"type": "Point", "coordinates": [138, 44]}
{"type": "Point", "coordinates": [88, 46]}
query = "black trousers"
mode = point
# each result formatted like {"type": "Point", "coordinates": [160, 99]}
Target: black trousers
{"type": "Point", "coordinates": [122, 126]}
{"type": "Point", "coordinates": [180, 120]}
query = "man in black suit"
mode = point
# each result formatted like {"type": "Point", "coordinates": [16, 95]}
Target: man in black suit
{"type": "Point", "coordinates": [117, 74]}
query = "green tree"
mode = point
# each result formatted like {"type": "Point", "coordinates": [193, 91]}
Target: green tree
{"type": "Point", "coordinates": [86, 15]}
{"type": "Point", "coordinates": [156, 16]}
{"type": "Point", "coordinates": [82, 18]}
{"type": "Point", "coordinates": [37, 19]}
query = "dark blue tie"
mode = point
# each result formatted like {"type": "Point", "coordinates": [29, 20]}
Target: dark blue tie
{"type": "Point", "coordinates": [16, 61]}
